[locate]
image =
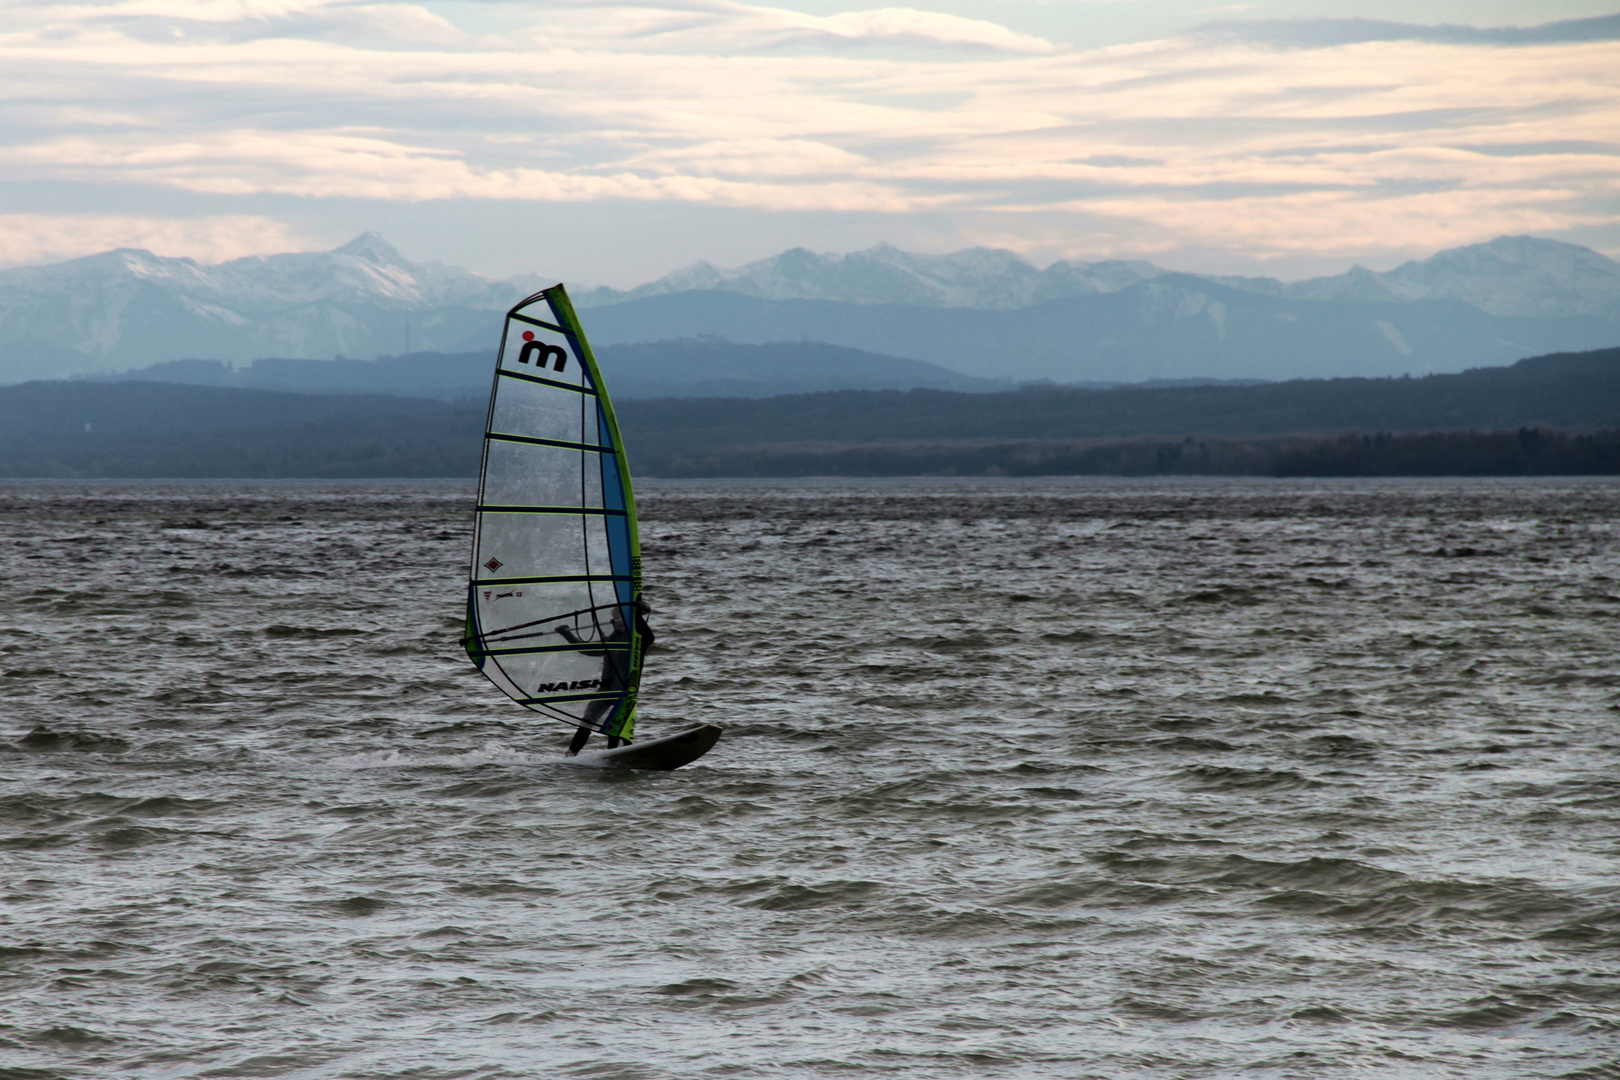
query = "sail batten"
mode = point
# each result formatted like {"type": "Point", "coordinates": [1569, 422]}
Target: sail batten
{"type": "Point", "coordinates": [515, 316]}
{"type": "Point", "coordinates": [552, 580]}
{"type": "Point", "coordinates": [590, 448]}
{"type": "Point", "coordinates": [524, 377]}
{"type": "Point", "coordinates": [497, 508]}
{"type": "Point", "coordinates": [556, 553]}
{"type": "Point", "coordinates": [521, 651]}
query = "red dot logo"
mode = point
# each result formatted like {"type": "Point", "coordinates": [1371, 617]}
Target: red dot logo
{"type": "Point", "coordinates": [528, 335]}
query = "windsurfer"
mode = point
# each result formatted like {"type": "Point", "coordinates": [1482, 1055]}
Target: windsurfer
{"type": "Point", "coordinates": [613, 674]}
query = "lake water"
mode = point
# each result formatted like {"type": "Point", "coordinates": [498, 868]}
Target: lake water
{"type": "Point", "coordinates": [1048, 779]}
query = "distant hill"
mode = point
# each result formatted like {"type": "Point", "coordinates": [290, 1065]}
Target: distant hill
{"type": "Point", "coordinates": [1521, 452]}
{"type": "Point", "coordinates": [1174, 326]}
{"type": "Point", "coordinates": [702, 367]}
{"type": "Point", "coordinates": [155, 429]}
{"type": "Point", "coordinates": [713, 367]}
{"type": "Point", "coordinates": [443, 443]}
{"type": "Point", "coordinates": [149, 429]}
{"type": "Point", "coordinates": [36, 409]}
{"type": "Point", "coordinates": [1580, 390]}
{"type": "Point", "coordinates": [984, 313]}
{"type": "Point", "coordinates": [445, 376]}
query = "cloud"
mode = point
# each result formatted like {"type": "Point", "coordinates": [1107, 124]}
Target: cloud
{"type": "Point", "coordinates": [1326, 33]}
{"type": "Point", "coordinates": [751, 157]}
{"type": "Point", "coordinates": [1347, 223]}
{"type": "Point", "coordinates": [29, 238]}
{"type": "Point", "coordinates": [710, 25]}
{"type": "Point", "coordinates": [235, 21]}
{"type": "Point", "coordinates": [1382, 142]}
{"type": "Point", "coordinates": [344, 165]}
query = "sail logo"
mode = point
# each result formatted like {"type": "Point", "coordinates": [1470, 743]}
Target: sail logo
{"type": "Point", "coordinates": [546, 352]}
{"type": "Point", "coordinates": [558, 687]}
{"type": "Point", "coordinates": [491, 594]}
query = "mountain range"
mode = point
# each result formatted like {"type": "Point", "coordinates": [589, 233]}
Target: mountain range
{"type": "Point", "coordinates": [1511, 276]}
{"type": "Point", "coordinates": [983, 313]}
{"type": "Point", "coordinates": [982, 278]}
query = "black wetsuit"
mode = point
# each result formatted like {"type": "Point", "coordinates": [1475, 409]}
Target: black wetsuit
{"type": "Point", "coordinates": [612, 679]}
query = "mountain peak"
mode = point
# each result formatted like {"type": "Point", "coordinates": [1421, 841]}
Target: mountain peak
{"type": "Point", "coordinates": [1515, 251]}
{"type": "Point", "coordinates": [129, 306]}
{"type": "Point", "coordinates": [1515, 275]}
{"type": "Point", "coordinates": [372, 248]}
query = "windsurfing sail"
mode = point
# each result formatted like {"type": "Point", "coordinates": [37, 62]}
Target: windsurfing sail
{"type": "Point", "coordinates": [556, 565]}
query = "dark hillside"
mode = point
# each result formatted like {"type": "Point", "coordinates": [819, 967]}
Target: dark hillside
{"type": "Point", "coordinates": [1489, 421]}
{"type": "Point", "coordinates": [1525, 452]}
{"type": "Point", "coordinates": [448, 376]}
{"type": "Point", "coordinates": [444, 443]}
{"type": "Point", "coordinates": [714, 367]}
{"type": "Point", "coordinates": [1560, 391]}
{"type": "Point", "coordinates": [40, 408]}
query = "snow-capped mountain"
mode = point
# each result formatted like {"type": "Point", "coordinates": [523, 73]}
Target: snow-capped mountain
{"type": "Point", "coordinates": [983, 278]}
{"type": "Point", "coordinates": [123, 308]}
{"type": "Point", "coordinates": [368, 269]}
{"type": "Point", "coordinates": [1511, 275]}
{"type": "Point", "coordinates": [129, 309]}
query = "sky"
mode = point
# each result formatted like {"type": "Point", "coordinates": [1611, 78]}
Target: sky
{"type": "Point", "coordinates": [610, 142]}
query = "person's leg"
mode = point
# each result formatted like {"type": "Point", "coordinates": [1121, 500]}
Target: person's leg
{"type": "Point", "coordinates": [581, 737]}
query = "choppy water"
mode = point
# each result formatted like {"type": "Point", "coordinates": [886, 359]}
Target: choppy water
{"type": "Point", "coordinates": [1030, 780]}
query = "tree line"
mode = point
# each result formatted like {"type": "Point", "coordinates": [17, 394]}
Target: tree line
{"type": "Point", "coordinates": [448, 445]}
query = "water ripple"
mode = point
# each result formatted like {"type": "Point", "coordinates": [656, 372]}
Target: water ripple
{"type": "Point", "coordinates": [1033, 780]}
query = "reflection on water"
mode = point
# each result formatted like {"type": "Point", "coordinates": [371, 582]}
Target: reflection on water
{"type": "Point", "coordinates": [1046, 779]}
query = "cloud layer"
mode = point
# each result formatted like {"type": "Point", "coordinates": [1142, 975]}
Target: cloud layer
{"type": "Point", "coordinates": [1319, 140]}
{"type": "Point", "coordinates": [30, 238]}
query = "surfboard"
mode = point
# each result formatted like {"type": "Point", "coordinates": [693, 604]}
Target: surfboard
{"type": "Point", "coordinates": [554, 592]}
{"type": "Point", "coordinates": [669, 752]}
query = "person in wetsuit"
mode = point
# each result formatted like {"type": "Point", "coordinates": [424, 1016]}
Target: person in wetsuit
{"type": "Point", "coordinates": [613, 671]}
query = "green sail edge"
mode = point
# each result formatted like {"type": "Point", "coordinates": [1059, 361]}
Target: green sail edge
{"type": "Point", "coordinates": [623, 721]}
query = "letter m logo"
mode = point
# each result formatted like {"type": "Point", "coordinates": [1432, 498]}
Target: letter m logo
{"type": "Point", "coordinates": [546, 352]}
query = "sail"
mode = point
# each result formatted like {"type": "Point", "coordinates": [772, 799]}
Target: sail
{"type": "Point", "coordinates": [556, 566]}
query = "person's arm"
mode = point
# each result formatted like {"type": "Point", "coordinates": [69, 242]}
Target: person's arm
{"type": "Point", "coordinates": [572, 638]}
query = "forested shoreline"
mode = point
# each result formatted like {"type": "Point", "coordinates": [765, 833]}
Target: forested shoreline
{"type": "Point", "coordinates": [1553, 415]}
{"type": "Point", "coordinates": [447, 445]}
{"type": "Point", "coordinates": [1525, 452]}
